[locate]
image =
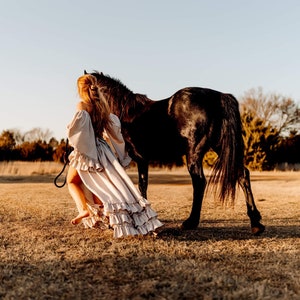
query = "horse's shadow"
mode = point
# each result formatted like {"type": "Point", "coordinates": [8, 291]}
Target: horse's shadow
{"type": "Point", "coordinates": [35, 178]}
{"type": "Point", "coordinates": [212, 230]}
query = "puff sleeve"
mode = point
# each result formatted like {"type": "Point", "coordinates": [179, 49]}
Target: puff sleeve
{"type": "Point", "coordinates": [81, 136]}
{"type": "Point", "coordinates": [116, 139]}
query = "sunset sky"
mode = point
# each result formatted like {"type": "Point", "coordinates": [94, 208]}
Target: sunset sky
{"type": "Point", "coordinates": [154, 47]}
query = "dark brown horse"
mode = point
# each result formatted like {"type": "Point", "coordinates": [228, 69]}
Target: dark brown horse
{"type": "Point", "coordinates": [189, 123]}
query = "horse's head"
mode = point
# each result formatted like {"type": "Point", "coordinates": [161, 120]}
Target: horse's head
{"type": "Point", "coordinates": [114, 91]}
{"type": "Point", "coordinates": [123, 102]}
{"type": "Point", "coordinates": [102, 80]}
{"type": "Point", "coordinates": [95, 73]}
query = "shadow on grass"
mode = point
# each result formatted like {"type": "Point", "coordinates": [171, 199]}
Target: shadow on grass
{"type": "Point", "coordinates": [212, 230]}
{"type": "Point", "coordinates": [160, 178]}
{"type": "Point", "coordinates": [154, 178]}
{"type": "Point", "coordinates": [46, 178]}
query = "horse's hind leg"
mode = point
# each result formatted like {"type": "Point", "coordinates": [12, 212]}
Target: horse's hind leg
{"type": "Point", "coordinates": [254, 215]}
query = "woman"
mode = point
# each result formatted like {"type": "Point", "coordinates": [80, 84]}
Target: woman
{"type": "Point", "coordinates": [96, 179]}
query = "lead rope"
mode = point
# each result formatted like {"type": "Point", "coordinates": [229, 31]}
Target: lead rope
{"type": "Point", "coordinates": [66, 161]}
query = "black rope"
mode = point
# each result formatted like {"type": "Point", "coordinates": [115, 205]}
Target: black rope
{"type": "Point", "coordinates": [66, 161]}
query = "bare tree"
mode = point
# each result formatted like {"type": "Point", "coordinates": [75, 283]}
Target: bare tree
{"type": "Point", "coordinates": [280, 112]}
{"type": "Point", "coordinates": [37, 134]}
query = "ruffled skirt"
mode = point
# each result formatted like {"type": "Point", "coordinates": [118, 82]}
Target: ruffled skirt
{"type": "Point", "coordinates": [124, 209]}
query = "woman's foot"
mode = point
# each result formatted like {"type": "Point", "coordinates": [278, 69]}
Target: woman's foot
{"type": "Point", "coordinates": [80, 216]}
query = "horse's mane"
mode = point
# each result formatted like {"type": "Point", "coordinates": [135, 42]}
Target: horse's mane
{"type": "Point", "coordinates": [120, 98]}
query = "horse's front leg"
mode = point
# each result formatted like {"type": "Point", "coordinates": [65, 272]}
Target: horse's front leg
{"type": "Point", "coordinates": [252, 212]}
{"type": "Point", "coordinates": [143, 168]}
{"type": "Point", "coordinates": [199, 184]}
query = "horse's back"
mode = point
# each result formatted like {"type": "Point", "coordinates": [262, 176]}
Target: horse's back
{"type": "Point", "coordinates": [196, 110]}
{"type": "Point", "coordinates": [196, 97]}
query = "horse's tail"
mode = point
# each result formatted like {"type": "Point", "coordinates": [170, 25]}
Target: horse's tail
{"type": "Point", "coordinates": [230, 148]}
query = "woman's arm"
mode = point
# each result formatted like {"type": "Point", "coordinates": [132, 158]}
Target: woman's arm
{"type": "Point", "coordinates": [116, 138]}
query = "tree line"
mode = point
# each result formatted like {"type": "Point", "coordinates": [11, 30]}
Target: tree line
{"type": "Point", "coordinates": [34, 145]}
{"type": "Point", "coordinates": [271, 133]}
{"type": "Point", "coordinates": [271, 124]}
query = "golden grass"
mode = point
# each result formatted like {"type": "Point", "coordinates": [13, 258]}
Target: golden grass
{"type": "Point", "coordinates": [42, 256]}
{"type": "Point", "coordinates": [24, 168]}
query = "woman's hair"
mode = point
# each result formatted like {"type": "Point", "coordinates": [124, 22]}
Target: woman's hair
{"type": "Point", "coordinates": [90, 94]}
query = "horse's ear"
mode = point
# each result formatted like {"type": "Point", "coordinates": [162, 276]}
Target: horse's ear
{"type": "Point", "coordinates": [84, 72]}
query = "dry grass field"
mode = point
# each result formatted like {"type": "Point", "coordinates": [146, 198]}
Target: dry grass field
{"type": "Point", "coordinates": [42, 256]}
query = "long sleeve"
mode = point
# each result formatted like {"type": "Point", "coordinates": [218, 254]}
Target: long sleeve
{"type": "Point", "coordinates": [81, 136]}
{"type": "Point", "coordinates": [116, 138]}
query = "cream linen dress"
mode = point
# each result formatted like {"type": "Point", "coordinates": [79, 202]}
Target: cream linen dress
{"type": "Point", "coordinates": [103, 175]}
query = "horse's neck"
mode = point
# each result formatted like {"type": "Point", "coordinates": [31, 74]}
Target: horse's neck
{"type": "Point", "coordinates": [131, 108]}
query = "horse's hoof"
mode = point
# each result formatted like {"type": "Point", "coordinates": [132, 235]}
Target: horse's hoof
{"type": "Point", "coordinates": [188, 225]}
{"type": "Point", "coordinates": [257, 230]}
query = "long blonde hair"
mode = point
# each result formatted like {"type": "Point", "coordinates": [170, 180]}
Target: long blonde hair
{"type": "Point", "coordinates": [90, 94]}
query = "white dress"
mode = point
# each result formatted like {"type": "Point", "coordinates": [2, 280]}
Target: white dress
{"type": "Point", "coordinates": [103, 175]}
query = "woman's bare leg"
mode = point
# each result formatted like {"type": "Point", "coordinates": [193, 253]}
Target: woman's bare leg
{"type": "Point", "coordinates": [76, 192]}
{"type": "Point", "coordinates": [97, 200]}
{"type": "Point", "coordinates": [79, 217]}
